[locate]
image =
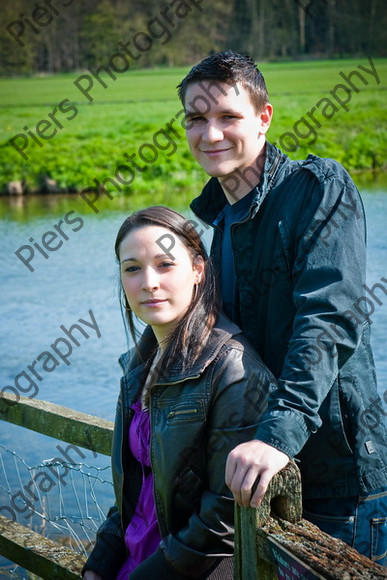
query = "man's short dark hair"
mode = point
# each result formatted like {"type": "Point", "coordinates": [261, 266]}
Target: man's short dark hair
{"type": "Point", "coordinates": [231, 68]}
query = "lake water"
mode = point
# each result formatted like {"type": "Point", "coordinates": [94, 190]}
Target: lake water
{"type": "Point", "coordinates": [79, 277]}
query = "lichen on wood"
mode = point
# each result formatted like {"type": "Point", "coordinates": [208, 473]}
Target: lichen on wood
{"type": "Point", "coordinates": [280, 517]}
{"type": "Point", "coordinates": [38, 554]}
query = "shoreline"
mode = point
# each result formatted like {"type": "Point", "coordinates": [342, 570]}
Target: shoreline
{"type": "Point", "coordinates": [16, 189]}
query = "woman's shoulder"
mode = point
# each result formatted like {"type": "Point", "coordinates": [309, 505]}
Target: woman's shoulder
{"type": "Point", "coordinates": [125, 359]}
{"type": "Point", "coordinates": [233, 343]}
{"type": "Point", "coordinates": [238, 365]}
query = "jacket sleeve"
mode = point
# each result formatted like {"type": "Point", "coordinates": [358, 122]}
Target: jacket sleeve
{"type": "Point", "coordinates": [109, 552]}
{"type": "Point", "coordinates": [239, 385]}
{"type": "Point", "coordinates": [328, 276]}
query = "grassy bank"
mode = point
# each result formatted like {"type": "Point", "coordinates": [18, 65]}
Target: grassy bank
{"type": "Point", "coordinates": [93, 134]}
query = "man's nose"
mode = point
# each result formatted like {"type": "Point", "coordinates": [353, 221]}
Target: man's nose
{"type": "Point", "coordinates": [212, 132]}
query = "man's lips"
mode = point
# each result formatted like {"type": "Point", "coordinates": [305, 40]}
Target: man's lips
{"type": "Point", "coordinates": [215, 151]}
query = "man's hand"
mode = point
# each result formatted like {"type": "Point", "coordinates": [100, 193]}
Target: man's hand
{"type": "Point", "coordinates": [90, 575]}
{"type": "Point", "coordinates": [246, 463]}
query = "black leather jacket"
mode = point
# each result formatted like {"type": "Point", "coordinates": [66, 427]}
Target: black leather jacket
{"type": "Point", "coordinates": [197, 417]}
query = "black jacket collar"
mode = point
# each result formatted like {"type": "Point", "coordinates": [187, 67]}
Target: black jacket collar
{"type": "Point", "coordinates": [212, 200]}
{"type": "Point", "coordinates": [134, 361]}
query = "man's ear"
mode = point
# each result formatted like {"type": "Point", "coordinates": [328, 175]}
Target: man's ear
{"type": "Point", "coordinates": [265, 117]}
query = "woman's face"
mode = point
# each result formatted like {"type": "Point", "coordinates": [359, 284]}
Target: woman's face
{"type": "Point", "coordinates": [158, 286]}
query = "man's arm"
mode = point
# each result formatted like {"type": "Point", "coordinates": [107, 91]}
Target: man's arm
{"type": "Point", "coordinates": [328, 281]}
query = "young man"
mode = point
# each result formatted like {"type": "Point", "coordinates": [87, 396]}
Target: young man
{"type": "Point", "coordinates": [289, 246]}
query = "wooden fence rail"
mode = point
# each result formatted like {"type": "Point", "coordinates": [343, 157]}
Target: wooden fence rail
{"type": "Point", "coordinates": [60, 422]}
{"type": "Point", "coordinates": [38, 554]}
{"type": "Point", "coordinates": [272, 541]}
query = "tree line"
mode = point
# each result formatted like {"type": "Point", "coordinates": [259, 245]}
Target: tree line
{"type": "Point", "coordinates": [53, 36]}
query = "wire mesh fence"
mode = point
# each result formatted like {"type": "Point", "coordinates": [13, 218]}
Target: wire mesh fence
{"type": "Point", "coordinates": [63, 500]}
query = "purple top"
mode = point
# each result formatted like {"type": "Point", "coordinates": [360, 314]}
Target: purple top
{"type": "Point", "coordinates": [142, 536]}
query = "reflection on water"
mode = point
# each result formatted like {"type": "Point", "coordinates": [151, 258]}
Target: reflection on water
{"type": "Point", "coordinates": [26, 207]}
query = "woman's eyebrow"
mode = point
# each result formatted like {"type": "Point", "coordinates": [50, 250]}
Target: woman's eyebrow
{"type": "Point", "coordinates": [169, 256]}
{"type": "Point", "coordinates": [128, 260]}
{"type": "Point", "coordinates": [157, 257]}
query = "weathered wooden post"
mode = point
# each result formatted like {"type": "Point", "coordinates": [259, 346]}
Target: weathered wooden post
{"type": "Point", "coordinates": [252, 553]}
{"type": "Point", "coordinates": [274, 542]}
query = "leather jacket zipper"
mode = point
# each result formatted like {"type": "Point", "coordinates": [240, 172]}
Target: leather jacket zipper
{"type": "Point", "coordinates": [181, 412]}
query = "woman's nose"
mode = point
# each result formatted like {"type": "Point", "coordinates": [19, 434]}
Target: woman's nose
{"type": "Point", "coordinates": [150, 280]}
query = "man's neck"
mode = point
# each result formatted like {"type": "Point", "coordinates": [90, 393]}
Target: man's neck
{"type": "Point", "coordinates": [239, 184]}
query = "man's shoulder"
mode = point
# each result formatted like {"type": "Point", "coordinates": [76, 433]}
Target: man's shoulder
{"type": "Point", "coordinates": [323, 168]}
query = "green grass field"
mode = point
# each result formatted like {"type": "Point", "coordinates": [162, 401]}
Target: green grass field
{"type": "Point", "coordinates": [92, 138]}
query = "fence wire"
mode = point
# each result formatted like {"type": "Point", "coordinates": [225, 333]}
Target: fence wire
{"type": "Point", "coordinates": [64, 501]}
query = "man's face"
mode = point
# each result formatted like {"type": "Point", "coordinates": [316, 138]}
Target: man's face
{"type": "Point", "coordinates": [224, 131]}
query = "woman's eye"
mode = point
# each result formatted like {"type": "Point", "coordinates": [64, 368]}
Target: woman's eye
{"type": "Point", "coordinates": [131, 269]}
{"type": "Point", "coordinates": [167, 264]}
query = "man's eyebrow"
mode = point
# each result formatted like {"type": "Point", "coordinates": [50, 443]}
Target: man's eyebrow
{"type": "Point", "coordinates": [189, 113]}
{"type": "Point", "coordinates": [192, 113]}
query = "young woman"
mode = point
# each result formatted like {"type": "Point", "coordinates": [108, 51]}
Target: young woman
{"type": "Point", "coordinates": [191, 392]}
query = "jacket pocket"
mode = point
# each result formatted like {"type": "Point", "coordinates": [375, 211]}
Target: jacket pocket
{"type": "Point", "coordinates": [342, 527]}
{"type": "Point", "coordinates": [285, 242]}
{"type": "Point", "coordinates": [283, 260]}
{"type": "Point", "coordinates": [186, 411]}
{"type": "Point", "coordinates": [334, 416]}
{"type": "Point", "coordinates": [379, 540]}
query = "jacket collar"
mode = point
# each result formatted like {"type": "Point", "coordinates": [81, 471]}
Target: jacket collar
{"type": "Point", "coordinates": [133, 365]}
{"type": "Point", "coordinates": [212, 200]}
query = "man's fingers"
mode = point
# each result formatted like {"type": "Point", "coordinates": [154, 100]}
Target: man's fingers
{"type": "Point", "coordinates": [247, 486]}
{"type": "Point", "coordinates": [262, 486]}
{"type": "Point", "coordinates": [240, 478]}
{"type": "Point", "coordinates": [241, 485]}
{"type": "Point", "coordinates": [231, 466]}
{"type": "Point", "coordinates": [265, 478]}
{"type": "Point", "coordinates": [247, 462]}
